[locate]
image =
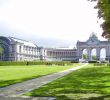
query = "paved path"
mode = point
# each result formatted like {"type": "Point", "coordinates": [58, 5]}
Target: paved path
{"type": "Point", "coordinates": [26, 86]}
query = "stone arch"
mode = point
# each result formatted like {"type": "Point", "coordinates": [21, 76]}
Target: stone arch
{"type": "Point", "coordinates": [103, 53]}
{"type": "Point", "coordinates": [93, 42]}
{"type": "Point", "coordinates": [5, 44]}
{"type": "Point", "coordinates": [93, 54]}
{"type": "Point", "coordinates": [84, 53]}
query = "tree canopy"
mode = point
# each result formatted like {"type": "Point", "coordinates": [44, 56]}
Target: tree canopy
{"type": "Point", "coordinates": [84, 56]}
{"type": "Point", "coordinates": [103, 7]}
{"type": "Point", "coordinates": [1, 50]}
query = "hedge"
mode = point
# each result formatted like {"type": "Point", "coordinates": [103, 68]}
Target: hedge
{"type": "Point", "coordinates": [108, 64]}
{"type": "Point", "coordinates": [99, 64]}
{"type": "Point", "coordinates": [92, 61]}
{"type": "Point", "coordinates": [9, 63]}
{"type": "Point", "coordinates": [16, 63]}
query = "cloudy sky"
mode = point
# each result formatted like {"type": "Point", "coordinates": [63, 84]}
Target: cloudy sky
{"type": "Point", "coordinates": [49, 22]}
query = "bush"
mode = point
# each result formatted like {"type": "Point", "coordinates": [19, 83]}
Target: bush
{"type": "Point", "coordinates": [74, 61]}
{"type": "Point", "coordinates": [9, 63]}
{"type": "Point", "coordinates": [108, 64]}
{"type": "Point", "coordinates": [99, 64]}
{"type": "Point", "coordinates": [15, 63]}
{"type": "Point", "coordinates": [93, 61]}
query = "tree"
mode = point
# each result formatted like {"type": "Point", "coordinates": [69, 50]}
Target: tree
{"type": "Point", "coordinates": [94, 57]}
{"type": "Point", "coordinates": [1, 52]}
{"type": "Point", "coordinates": [103, 7]}
{"type": "Point", "coordinates": [84, 56]}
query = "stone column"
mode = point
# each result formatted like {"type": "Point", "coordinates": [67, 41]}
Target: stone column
{"type": "Point", "coordinates": [98, 53]}
{"type": "Point", "coordinates": [107, 48]}
{"type": "Point", "coordinates": [89, 53]}
{"type": "Point", "coordinates": [80, 53]}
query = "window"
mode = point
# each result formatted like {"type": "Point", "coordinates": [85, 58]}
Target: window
{"type": "Point", "coordinates": [20, 49]}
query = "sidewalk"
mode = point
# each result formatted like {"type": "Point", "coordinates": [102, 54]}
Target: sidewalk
{"type": "Point", "coordinates": [18, 89]}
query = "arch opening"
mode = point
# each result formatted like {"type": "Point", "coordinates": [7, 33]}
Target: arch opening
{"type": "Point", "coordinates": [103, 54]}
{"type": "Point", "coordinates": [1, 52]}
{"type": "Point", "coordinates": [84, 54]}
{"type": "Point", "coordinates": [93, 55]}
{"type": "Point", "coordinates": [5, 47]}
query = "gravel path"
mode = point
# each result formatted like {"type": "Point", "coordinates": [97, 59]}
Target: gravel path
{"type": "Point", "coordinates": [18, 89]}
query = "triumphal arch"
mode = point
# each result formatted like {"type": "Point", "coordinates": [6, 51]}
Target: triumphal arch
{"type": "Point", "coordinates": [93, 43]}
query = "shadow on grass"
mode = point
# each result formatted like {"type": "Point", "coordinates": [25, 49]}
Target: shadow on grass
{"type": "Point", "coordinates": [11, 82]}
{"type": "Point", "coordinates": [106, 97]}
{"type": "Point", "coordinates": [84, 84]}
{"type": "Point", "coordinates": [7, 82]}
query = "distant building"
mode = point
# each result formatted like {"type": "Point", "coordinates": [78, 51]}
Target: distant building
{"type": "Point", "coordinates": [93, 43]}
{"type": "Point", "coordinates": [18, 50]}
{"type": "Point", "coordinates": [60, 54]}
{"type": "Point", "coordinates": [15, 49]}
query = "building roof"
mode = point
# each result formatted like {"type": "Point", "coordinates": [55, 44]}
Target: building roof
{"type": "Point", "coordinates": [81, 43]}
{"type": "Point", "coordinates": [26, 43]}
{"type": "Point", "coordinates": [61, 49]}
{"type": "Point", "coordinates": [105, 42]}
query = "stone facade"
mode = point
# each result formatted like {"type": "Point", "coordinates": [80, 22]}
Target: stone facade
{"type": "Point", "coordinates": [60, 54]}
{"type": "Point", "coordinates": [15, 49]}
{"type": "Point", "coordinates": [93, 43]}
{"type": "Point", "coordinates": [18, 50]}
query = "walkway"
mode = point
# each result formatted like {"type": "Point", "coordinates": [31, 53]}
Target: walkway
{"type": "Point", "coordinates": [26, 86]}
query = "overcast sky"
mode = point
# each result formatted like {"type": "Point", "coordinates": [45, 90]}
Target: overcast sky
{"type": "Point", "coordinates": [49, 22]}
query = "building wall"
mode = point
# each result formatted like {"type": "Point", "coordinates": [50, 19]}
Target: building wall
{"type": "Point", "coordinates": [19, 50]}
{"type": "Point", "coordinates": [22, 50]}
{"type": "Point", "coordinates": [60, 54]}
{"type": "Point", "coordinates": [93, 43]}
{"type": "Point", "coordinates": [25, 52]}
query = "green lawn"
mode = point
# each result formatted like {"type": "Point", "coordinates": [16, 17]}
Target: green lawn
{"type": "Point", "coordinates": [89, 83]}
{"type": "Point", "coordinates": [13, 74]}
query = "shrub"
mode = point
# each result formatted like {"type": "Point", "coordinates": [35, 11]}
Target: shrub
{"type": "Point", "coordinates": [99, 64]}
{"type": "Point", "coordinates": [15, 63]}
{"type": "Point", "coordinates": [9, 63]}
{"type": "Point", "coordinates": [92, 61]}
{"type": "Point", "coordinates": [108, 64]}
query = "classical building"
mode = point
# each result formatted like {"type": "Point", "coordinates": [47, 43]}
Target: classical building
{"type": "Point", "coordinates": [18, 50]}
{"type": "Point", "coordinates": [60, 54]}
{"type": "Point", "coordinates": [15, 49]}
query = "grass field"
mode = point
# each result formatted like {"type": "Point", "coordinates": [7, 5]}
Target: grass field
{"type": "Point", "coordinates": [13, 74]}
{"type": "Point", "coordinates": [89, 83]}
